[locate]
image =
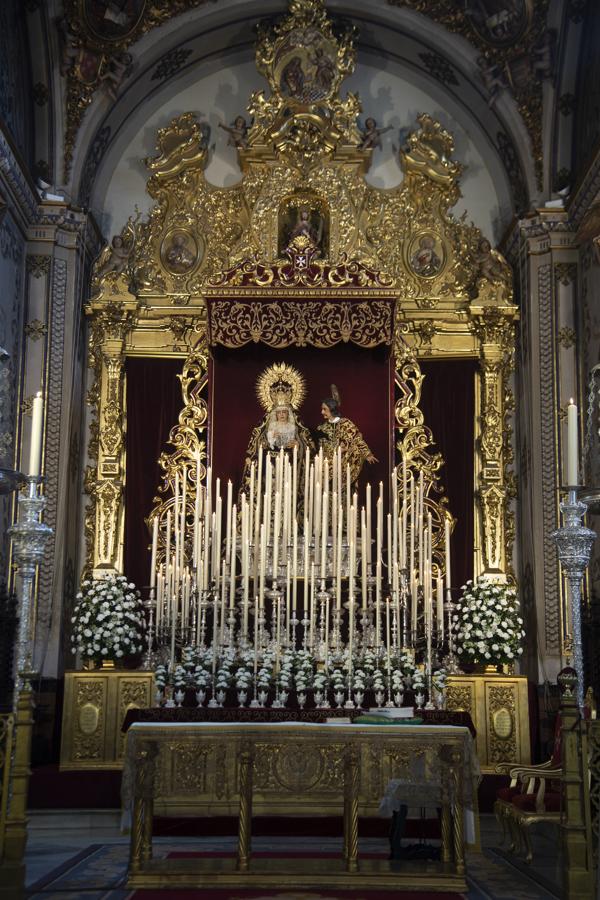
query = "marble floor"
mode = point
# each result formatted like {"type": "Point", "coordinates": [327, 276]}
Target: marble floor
{"type": "Point", "coordinates": [92, 853]}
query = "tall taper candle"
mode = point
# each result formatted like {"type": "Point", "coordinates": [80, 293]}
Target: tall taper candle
{"type": "Point", "coordinates": [572, 445]}
{"type": "Point", "coordinates": [35, 447]}
{"type": "Point", "coordinates": [447, 549]}
{"type": "Point", "coordinates": [154, 546]}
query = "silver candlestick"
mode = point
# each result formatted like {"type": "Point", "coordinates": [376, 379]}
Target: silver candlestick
{"type": "Point", "coordinates": [29, 537]}
{"type": "Point", "coordinates": [574, 543]}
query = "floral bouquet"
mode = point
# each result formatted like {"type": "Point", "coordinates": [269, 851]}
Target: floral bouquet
{"type": "Point", "coordinates": [487, 623]}
{"type": "Point", "coordinates": [108, 619]}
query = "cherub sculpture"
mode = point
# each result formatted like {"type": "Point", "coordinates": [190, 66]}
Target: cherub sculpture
{"type": "Point", "coordinates": [371, 136]}
{"type": "Point", "coordinates": [490, 264]}
{"type": "Point", "coordinates": [116, 255]}
{"type": "Point", "coordinates": [238, 132]}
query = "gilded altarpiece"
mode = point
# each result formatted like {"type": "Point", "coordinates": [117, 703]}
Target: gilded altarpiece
{"type": "Point", "coordinates": [212, 266]}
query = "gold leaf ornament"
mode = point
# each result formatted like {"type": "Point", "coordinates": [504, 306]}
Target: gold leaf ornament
{"type": "Point", "coordinates": [280, 383]}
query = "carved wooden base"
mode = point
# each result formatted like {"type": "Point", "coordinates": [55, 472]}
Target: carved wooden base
{"type": "Point", "coordinates": [499, 708]}
{"type": "Point", "coordinates": [95, 705]}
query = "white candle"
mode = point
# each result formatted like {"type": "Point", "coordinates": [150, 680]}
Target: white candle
{"type": "Point", "coordinates": [447, 550]}
{"type": "Point", "coordinates": [154, 546]}
{"type": "Point", "coordinates": [35, 447]}
{"type": "Point", "coordinates": [233, 559]}
{"type": "Point", "coordinates": [440, 606]}
{"type": "Point", "coordinates": [295, 564]}
{"type": "Point", "coordinates": [572, 445]}
{"type": "Point", "coordinates": [196, 548]}
{"type": "Point", "coordinates": [276, 533]}
{"type": "Point", "coordinates": [324, 529]}
{"type": "Point", "coordinates": [368, 515]}
{"type": "Point", "coordinates": [363, 553]}
{"type": "Point", "coordinates": [378, 603]}
{"type": "Point", "coordinates": [168, 539]}
{"type": "Point", "coordinates": [340, 526]}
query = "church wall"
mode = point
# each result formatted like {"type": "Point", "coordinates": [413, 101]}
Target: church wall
{"type": "Point", "coordinates": [588, 332]}
{"type": "Point", "coordinates": [587, 114]}
{"type": "Point", "coordinates": [16, 100]}
{"type": "Point", "coordinates": [12, 266]}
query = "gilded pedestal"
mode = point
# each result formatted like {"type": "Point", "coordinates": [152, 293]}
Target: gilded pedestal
{"type": "Point", "coordinates": [94, 708]}
{"type": "Point", "coordinates": [499, 707]}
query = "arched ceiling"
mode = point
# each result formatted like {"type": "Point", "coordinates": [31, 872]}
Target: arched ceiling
{"type": "Point", "coordinates": [405, 60]}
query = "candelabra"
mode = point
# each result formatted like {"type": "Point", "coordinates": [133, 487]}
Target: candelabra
{"type": "Point", "coordinates": [574, 543]}
{"type": "Point", "coordinates": [29, 536]}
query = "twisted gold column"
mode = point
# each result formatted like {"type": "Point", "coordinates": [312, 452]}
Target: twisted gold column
{"type": "Point", "coordinates": [446, 815]}
{"type": "Point", "coordinates": [245, 818]}
{"type": "Point", "coordinates": [458, 825]}
{"type": "Point", "coordinates": [351, 782]}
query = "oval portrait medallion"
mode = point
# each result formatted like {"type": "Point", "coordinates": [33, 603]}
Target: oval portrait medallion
{"type": "Point", "coordinates": [426, 255]}
{"type": "Point", "coordinates": [180, 252]}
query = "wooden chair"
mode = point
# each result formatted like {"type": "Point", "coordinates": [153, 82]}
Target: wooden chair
{"type": "Point", "coordinates": [534, 794]}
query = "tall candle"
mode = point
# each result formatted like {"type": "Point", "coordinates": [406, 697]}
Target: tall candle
{"type": "Point", "coordinates": [378, 603]}
{"type": "Point", "coordinates": [338, 602]}
{"type": "Point", "coordinates": [368, 515]}
{"type": "Point", "coordinates": [572, 445]}
{"type": "Point", "coordinates": [183, 519]}
{"type": "Point", "coordinates": [35, 447]}
{"type": "Point", "coordinates": [440, 606]}
{"type": "Point", "coordinates": [195, 551]}
{"type": "Point", "coordinates": [295, 563]}
{"type": "Point", "coordinates": [233, 559]}
{"type": "Point", "coordinates": [276, 533]}
{"type": "Point", "coordinates": [168, 539]}
{"type": "Point", "coordinates": [154, 546]}
{"type": "Point", "coordinates": [447, 550]}
{"type": "Point", "coordinates": [363, 553]}
{"type": "Point", "coordinates": [324, 528]}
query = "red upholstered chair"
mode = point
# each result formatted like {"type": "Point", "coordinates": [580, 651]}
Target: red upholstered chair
{"type": "Point", "coordinates": [526, 792]}
{"type": "Point", "coordinates": [535, 792]}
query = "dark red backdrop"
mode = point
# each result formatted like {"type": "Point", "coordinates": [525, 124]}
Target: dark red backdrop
{"type": "Point", "coordinates": [362, 376]}
{"type": "Point", "coordinates": [364, 380]}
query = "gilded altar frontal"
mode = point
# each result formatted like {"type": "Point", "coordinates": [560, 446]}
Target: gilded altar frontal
{"type": "Point", "coordinates": [299, 447]}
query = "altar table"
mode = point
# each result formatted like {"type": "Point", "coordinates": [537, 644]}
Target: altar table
{"type": "Point", "coordinates": [247, 769]}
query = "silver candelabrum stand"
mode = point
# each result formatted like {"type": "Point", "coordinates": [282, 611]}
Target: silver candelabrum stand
{"type": "Point", "coordinates": [29, 536]}
{"type": "Point", "coordinates": [574, 543]}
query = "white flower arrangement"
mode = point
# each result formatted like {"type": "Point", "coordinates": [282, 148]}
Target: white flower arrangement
{"type": "Point", "coordinates": [285, 675]}
{"type": "Point", "coordinates": [438, 679]}
{"type": "Point", "coordinates": [379, 682]}
{"type": "Point", "coordinates": [487, 624]}
{"type": "Point", "coordinates": [320, 682]}
{"type": "Point", "coordinates": [161, 677]}
{"type": "Point", "coordinates": [108, 619]}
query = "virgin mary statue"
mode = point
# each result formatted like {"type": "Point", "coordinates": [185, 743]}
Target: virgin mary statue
{"type": "Point", "coordinates": [280, 390]}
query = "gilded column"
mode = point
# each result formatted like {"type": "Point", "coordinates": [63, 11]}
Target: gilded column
{"type": "Point", "coordinates": [495, 330]}
{"type": "Point", "coordinates": [109, 333]}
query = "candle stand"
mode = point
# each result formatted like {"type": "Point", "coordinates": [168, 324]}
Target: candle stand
{"type": "Point", "coordinates": [574, 543]}
{"type": "Point", "coordinates": [29, 536]}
